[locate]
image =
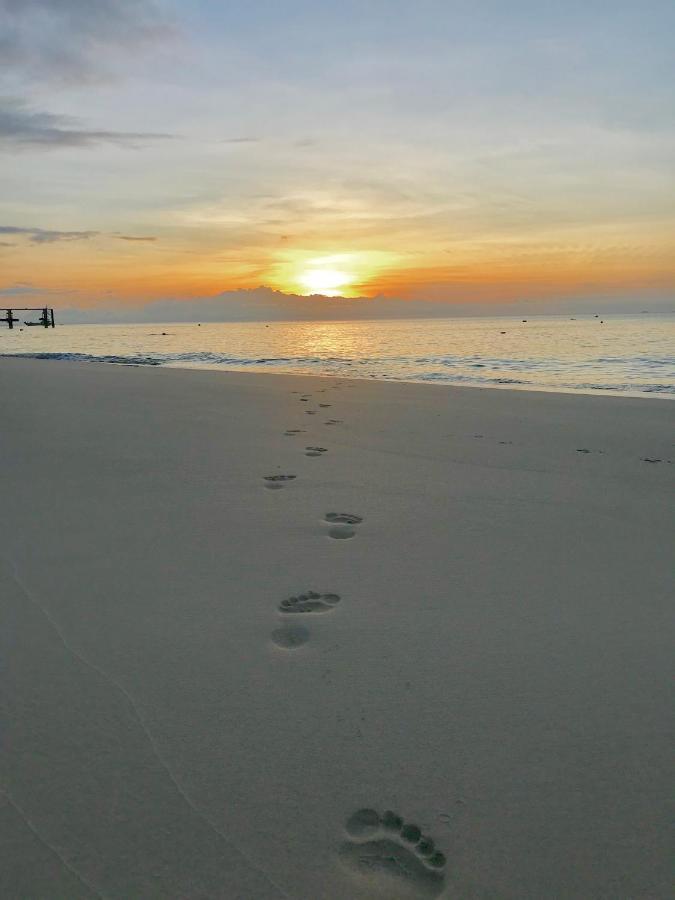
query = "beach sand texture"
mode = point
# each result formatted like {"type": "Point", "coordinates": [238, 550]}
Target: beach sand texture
{"type": "Point", "coordinates": [416, 644]}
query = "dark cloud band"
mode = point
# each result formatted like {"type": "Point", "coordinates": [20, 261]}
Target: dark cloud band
{"type": "Point", "coordinates": [21, 127]}
{"type": "Point", "coordinates": [45, 236]}
{"type": "Point", "coordinates": [131, 237]}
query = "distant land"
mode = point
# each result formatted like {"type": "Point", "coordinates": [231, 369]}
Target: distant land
{"type": "Point", "coordinates": [266, 305]}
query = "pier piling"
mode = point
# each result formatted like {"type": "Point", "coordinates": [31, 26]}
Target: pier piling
{"type": "Point", "coordinates": [46, 316]}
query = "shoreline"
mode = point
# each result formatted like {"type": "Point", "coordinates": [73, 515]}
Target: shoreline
{"type": "Point", "coordinates": [625, 356]}
{"type": "Point", "coordinates": [522, 387]}
{"type": "Point", "coordinates": [242, 618]}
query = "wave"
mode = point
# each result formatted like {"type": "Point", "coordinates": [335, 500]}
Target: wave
{"type": "Point", "coordinates": [543, 373]}
{"type": "Point", "coordinates": [88, 357]}
{"type": "Point", "coordinates": [464, 379]}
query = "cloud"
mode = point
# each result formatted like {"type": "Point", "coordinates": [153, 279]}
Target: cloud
{"type": "Point", "coordinates": [75, 40]}
{"type": "Point", "coordinates": [266, 305]}
{"type": "Point", "coordinates": [22, 127]}
{"type": "Point", "coordinates": [23, 291]}
{"type": "Point", "coordinates": [131, 237]}
{"type": "Point", "coordinates": [53, 235]}
{"type": "Point", "coordinates": [18, 290]}
{"type": "Point", "coordinates": [241, 140]}
{"type": "Point", "coordinates": [26, 289]}
{"type": "Point", "coordinates": [46, 236]}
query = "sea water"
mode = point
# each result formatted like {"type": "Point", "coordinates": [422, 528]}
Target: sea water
{"type": "Point", "coordinates": [632, 355]}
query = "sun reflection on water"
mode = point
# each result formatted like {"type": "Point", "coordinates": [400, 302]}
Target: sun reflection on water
{"type": "Point", "coordinates": [623, 354]}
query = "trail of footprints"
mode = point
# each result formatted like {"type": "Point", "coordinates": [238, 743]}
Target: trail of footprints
{"type": "Point", "coordinates": [293, 633]}
{"type": "Point", "coordinates": [377, 846]}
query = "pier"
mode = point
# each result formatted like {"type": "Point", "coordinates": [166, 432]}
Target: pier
{"type": "Point", "coordinates": [46, 316]}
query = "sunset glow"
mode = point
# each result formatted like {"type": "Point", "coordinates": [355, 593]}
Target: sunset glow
{"type": "Point", "coordinates": [438, 166]}
{"type": "Point", "coordinates": [325, 281]}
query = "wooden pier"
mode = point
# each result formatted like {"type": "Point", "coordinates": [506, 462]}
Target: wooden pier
{"type": "Point", "coordinates": [46, 316]}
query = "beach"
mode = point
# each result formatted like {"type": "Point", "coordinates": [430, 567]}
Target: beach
{"type": "Point", "coordinates": [433, 662]}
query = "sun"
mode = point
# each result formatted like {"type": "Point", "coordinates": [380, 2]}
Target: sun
{"type": "Point", "coordinates": [343, 274]}
{"type": "Point", "coordinates": [325, 281]}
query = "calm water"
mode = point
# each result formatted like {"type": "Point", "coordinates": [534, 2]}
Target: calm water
{"type": "Point", "coordinates": [626, 354]}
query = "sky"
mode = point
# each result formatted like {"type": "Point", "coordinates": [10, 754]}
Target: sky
{"type": "Point", "coordinates": [468, 154]}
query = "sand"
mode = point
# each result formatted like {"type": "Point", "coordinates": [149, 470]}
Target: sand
{"type": "Point", "coordinates": [434, 662]}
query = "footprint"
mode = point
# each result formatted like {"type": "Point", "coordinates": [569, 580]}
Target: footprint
{"type": "Point", "coordinates": [289, 637]}
{"type": "Point", "coordinates": [325, 405]}
{"type": "Point", "coordinates": [386, 847]}
{"type": "Point", "coordinates": [293, 431]}
{"type": "Point", "coordinates": [651, 459]}
{"type": "Point", "coordinates": [275, 482]}
{"type": "Point", "coordinates": [333, 422]}
{"type": "Point", "coordinates": [304, 400]}
{"type": "Point", "coordinates": [315, 451]}
{"type": "Point", "coordinates": [342, 525]}
{"type": "Point", "coordinates": [310, 412]}
{"type": "Point", "coordinates": [344, 518]}
{"type": "Point", "coordinates": [310, 602]}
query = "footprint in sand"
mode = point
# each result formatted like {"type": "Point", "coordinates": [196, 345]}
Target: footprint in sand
{"type": "Point", "coordinates": [325, 405]}
{"type": "Point", "coordinates": [333, 422]}
{"type": "Point", "coordinates": [342, 525]}
{"type": "Point", "coordinates": [387, 849]}
{"type": "Point", "coordinates": [315, 451]}
{"type": "Point", "coordinates": [310, 602]}
{"type": "Point", "coordinates": [275, 482]}
{"type": "Point", "coordinates": [289, 637]}
{"type": "Point", "coordinates": [292, 634]}
{"type": "Point", "coordinates": [310, 412]}
{"type": "Point", "coordinates": [293, 431]}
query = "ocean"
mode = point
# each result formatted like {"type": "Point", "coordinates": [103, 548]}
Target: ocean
{"type": "Point", "coordinates": [627, 355]}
